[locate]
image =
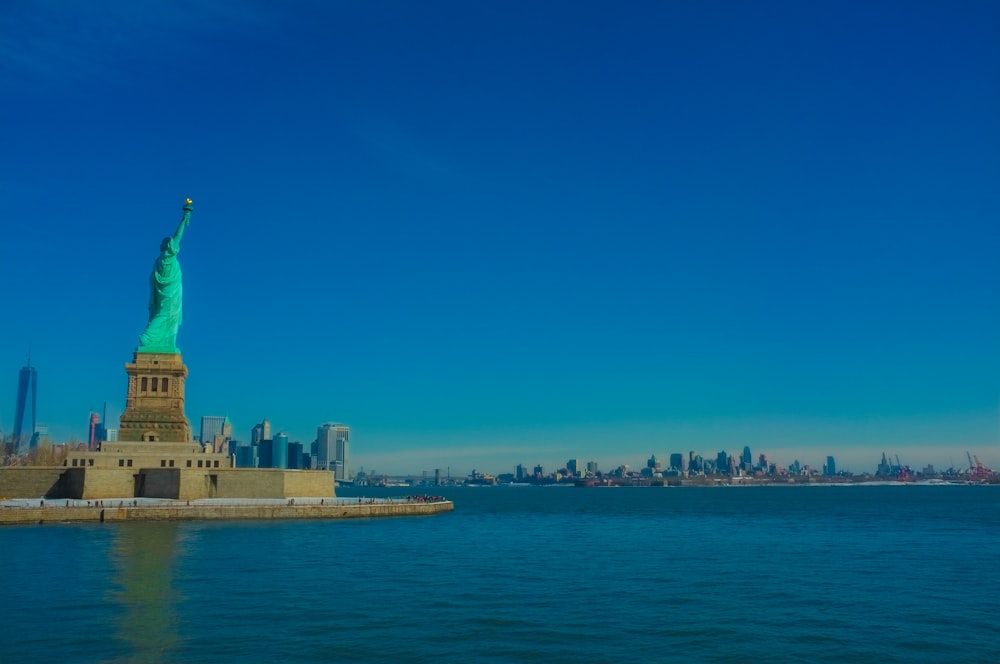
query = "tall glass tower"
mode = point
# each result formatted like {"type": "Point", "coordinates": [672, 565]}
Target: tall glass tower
{"type": "Point", "coordinates": [332, 442]}
{"type": "Point", "coordinates": [279, 450]}
{"type": "Point", "coordinates": [27, 397]}
{"type": "Point", "coordinates": [210, 426]}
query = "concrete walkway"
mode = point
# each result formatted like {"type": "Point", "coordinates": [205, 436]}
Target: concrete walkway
{"type": "Point", "coordinates": [25, 511]}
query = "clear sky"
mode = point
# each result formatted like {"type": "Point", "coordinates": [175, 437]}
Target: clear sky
{"type": "Point", "coordinates": [490, 233]}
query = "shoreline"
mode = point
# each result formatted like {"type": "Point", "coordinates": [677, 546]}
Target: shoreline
{"type": "Point", "coordinates": [104, 511]}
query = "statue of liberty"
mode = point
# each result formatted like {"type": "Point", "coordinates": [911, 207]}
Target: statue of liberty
{"type": "Point", "coordinates": [160, 335]}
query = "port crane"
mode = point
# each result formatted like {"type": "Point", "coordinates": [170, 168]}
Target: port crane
{"type": "Point", "coordinates": [903, 473]}
{"type": "Point", "coordinates": [977, 471]}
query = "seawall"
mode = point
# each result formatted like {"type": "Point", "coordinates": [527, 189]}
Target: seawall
{"type": "Point", "coordinates": [103, 482]}
{"type": "Point", "coordinates": [55, 513]}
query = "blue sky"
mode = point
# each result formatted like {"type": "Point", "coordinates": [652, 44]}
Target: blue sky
{"type": "Point", "coordinates": [489, 233]}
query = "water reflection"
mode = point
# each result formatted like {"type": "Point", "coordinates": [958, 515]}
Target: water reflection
{"type": "Point", "coordinates": [144, 556]}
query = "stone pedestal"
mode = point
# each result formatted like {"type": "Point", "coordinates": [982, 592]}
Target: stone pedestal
{"type": "Point", "coordinates": [155, 457]}
{"type": "Point", "coordinates": [154, 410]}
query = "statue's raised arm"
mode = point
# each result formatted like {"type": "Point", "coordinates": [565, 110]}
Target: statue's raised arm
{"type": "Point", "coordinates": [185, 220]}
{"type": "Point", "coordinates": [165, 291]}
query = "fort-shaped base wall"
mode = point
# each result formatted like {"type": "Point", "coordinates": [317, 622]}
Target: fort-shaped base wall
{"type": "Point", "coordinates": [99, 483]}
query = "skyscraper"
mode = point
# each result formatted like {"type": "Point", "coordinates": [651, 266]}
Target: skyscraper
{"type": "Point", "coordinates": [99, 432]}
{"type": "Point", "coordinates": [94, 436]}
{"type": "Point", "coordinates": [260, 432]}
{"type": "Point", "coordinates": [221, 440]}
{"type": "Point", "coordinates": [343, 469]}
{"type": "Point", "coordinates": [27, 389]}
{"type": "Point", "coordinates": [831, 466]}
{"type": "Point", "coordinates": [246, 456]}
{"type": "Point", "coordinates": [279, 450]}
{"type": "Point", "coordinates": [211, 425]}
{"type": "Point", "coordinates": [332, 440]}
{"type": "Point", "coordinates": [295, 456]}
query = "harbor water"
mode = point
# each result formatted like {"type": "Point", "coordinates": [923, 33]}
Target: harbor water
{"type": "Point", "coordinates": [515, 574]}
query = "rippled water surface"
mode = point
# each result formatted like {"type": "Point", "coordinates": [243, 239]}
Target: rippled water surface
{"type": "Point", "coordinates": [775, 574]}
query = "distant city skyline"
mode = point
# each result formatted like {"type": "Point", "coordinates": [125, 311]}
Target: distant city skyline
{"type": "Point", "coordinates": [494, 233]}
{"type": "Point", "coordinates": [856, 458]}
{"type": "Point", "coordinates": [853, 460]}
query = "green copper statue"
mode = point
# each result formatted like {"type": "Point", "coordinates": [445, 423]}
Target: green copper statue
{"type": "Point", "coordinates": [160, 335]}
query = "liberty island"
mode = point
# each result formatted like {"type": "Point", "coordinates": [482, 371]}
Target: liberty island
{"type": "Point", "coordinates": [155, 469]}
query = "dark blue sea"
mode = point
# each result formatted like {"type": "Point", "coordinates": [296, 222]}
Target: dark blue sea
{"type": "Point", "coordinates": [521, 574]}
